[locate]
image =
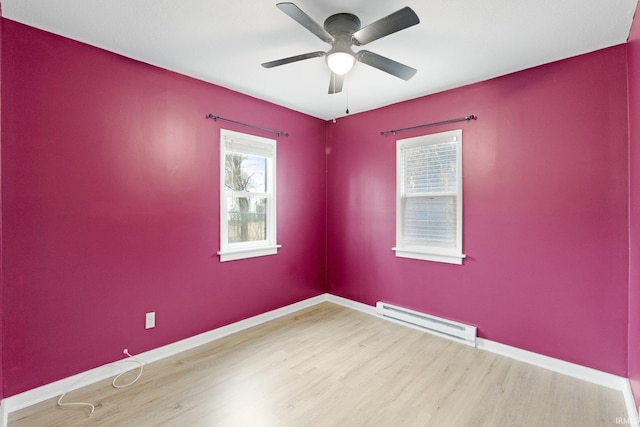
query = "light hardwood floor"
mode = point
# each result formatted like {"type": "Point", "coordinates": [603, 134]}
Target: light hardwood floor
{"type": "Point", "coordinates": [332, 366]}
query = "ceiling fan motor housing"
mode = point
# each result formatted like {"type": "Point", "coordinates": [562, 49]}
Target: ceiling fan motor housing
{"type": "Point", "coordinates": [342, 23]}
{"type": "Point", "coordinates": [341, 26]}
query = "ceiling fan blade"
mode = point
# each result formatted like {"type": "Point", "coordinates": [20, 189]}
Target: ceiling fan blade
{"type": "Point", "coordinates": [291, 59]}
{"type": "Point", "coordinates": [335, 84]}
{"type": "Point", "coordinates": [305, 20]}
{"type": "Point", "coordinates": [385, 64]}
{"type": "Point", "coordinates": [399, 20]}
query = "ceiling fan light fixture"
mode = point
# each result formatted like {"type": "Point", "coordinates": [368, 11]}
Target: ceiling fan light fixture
{"type": "Point", "coordinates": [340, 62]}
{"type": "Point", "coordinates": [343, 31]}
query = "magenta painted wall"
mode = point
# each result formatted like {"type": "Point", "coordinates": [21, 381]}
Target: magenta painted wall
{"type": "Point", "coordinates": [633, 54]}
{"type": "Point", "coordinates": [110, 209]}
{"type": "Point", "coordinates": [1, 270]}
{"type": "Point", "coordinates": [110, 193]}
{"type": "Point", "coordinates": [545, 210]}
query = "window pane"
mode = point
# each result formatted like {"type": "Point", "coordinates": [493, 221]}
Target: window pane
{"type": "Point", "coordinates": [247, 218]}
{"type": "Point", "coordinates": [245, 172]}
{"type": "Point", "coordinates": [429, 168]}
{"type": "Point", "coordinates": [430, 220]}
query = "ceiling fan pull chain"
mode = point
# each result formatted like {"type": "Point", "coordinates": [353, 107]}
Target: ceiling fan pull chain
{"type": "Point", "coordinates": [347, 110]}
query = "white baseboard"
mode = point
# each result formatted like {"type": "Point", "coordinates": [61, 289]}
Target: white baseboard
{"type": "Point", "coordinates": [556, 365]}
{"type": "Point", "coordinates": [48, 391]}
{"type": "Point", "coordinates": [351, 304]}
{"type": "Point", "coordinates": [566, 368]}
{"type": "Point", "coordinates": [570, 369]}
{"type": "Point", "coordinates": [207, 337]}
{"type": "Point", "coordinates": [57, 388]}
{"type": "Point", "coordinates": [630, 402]}
{"type": "Point", "coordinates": [4, 415]}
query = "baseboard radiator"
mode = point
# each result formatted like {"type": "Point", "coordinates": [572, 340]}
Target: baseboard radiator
{"type": "Point", "coordinates": [456, 331]}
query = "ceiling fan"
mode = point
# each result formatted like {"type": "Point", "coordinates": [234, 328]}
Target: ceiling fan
{"type": "Point", "coordinates": [342, 31]}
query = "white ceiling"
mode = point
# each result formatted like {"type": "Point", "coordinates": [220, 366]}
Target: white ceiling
{"type": "Point", "coordinates": [224, 42]}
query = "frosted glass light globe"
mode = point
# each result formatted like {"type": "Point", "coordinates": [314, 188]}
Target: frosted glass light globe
{"type": "Point", "coordinates": [340, 62]}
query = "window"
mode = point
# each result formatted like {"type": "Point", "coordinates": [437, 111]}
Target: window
{"type": "Point", "coordinates": [429, 197]}
{"type": "Point", "coordinates": [247, 196]}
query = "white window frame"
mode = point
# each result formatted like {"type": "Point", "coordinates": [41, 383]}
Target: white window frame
{"type": "Point", "coordinates": [242, 143]}
{"type": "Point", "coordinates": [425, 250]}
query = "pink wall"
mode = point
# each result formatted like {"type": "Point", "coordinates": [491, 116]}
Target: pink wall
{"type": "Point", "coordinates": [110, 208]}
{"type": "Point", "coordinates": [545, 214]}
{"type": "Point", "coordinates": [1, 270]}
{"type": "Point", "coordinates": [633, 54]}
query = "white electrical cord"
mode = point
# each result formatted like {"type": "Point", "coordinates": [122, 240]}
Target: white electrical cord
{"type": "Point", "coordinates": [91, 406]}
{"type": "Point", "coordinates": [135, 360]}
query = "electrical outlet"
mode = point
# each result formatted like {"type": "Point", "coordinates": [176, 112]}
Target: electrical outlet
{"type": "Point", "coordinates": [150, 320]}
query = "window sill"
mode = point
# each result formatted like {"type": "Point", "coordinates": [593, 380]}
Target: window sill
{"type": "Point", "coordinates": [430, 256]}
{"type": "Point", "coordinates": [235, 254]}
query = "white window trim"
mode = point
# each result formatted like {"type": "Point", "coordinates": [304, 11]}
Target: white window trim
{"type": "Point", "coordinates": [429, 256]}
{"type": "Point", "coordinates": [427, 252]}
{"type": "Point", "coordinates": [232, 255]}
{"type": "Point", "coordinates": [242, 250]}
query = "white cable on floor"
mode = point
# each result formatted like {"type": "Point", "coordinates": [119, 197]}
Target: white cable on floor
{"type": "Point", "coordinates": [135, 360]}
{"type": "Point", "coordinates": [91, 406]}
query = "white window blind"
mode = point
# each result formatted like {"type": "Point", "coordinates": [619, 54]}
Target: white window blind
{"type": "Point", "coordinates": [429, 197]}
{"type": "Point", "coordinates": [241, 144]}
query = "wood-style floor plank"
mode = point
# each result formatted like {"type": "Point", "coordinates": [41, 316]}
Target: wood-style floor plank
{"type": "Point", "coordinates": [332, 366]}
